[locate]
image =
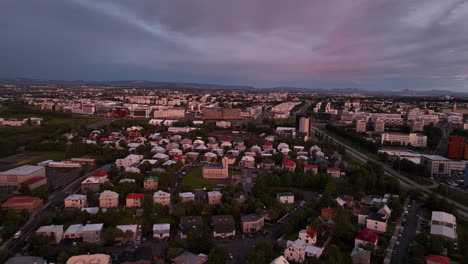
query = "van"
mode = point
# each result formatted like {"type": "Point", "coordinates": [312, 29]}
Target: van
{"type": "Point", "coordinates": [17, 235]}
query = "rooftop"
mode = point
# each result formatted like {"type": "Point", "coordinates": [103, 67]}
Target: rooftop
{"type": "Point", "coordinates": [23, 170]}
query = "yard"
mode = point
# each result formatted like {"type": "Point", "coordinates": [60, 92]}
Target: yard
{"type": "Point", "coordinates": [194, 180]}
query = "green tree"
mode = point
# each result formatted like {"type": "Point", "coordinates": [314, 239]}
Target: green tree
{"type": "Point", "coordinates": [218, 255]}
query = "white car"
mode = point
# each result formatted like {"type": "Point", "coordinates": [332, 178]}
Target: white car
{"type": "Point", "coordinates": [17, 235]}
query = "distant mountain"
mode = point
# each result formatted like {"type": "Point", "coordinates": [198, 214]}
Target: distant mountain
{"type": "Point", "coordinates": [123, 83]}
{"type": "Point", "coordinates": [201, 86]}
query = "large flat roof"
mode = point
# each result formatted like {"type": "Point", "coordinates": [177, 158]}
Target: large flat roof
{"type": "Point", "coordinates": [22, 170]}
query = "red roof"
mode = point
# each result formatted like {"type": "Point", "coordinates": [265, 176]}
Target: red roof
{"type": "Point", "coordinates": [99, 173]}
{"type": "Point", "coordinates": [311, 232]}
{"type": "Point", "coordinates": [135, 196]}
{"type": "Point", "coordinates": [311, 166]}
{"type": "Point", "coordinates": [438, 259]}
{"type": "Point", "coordinates": [327, 209]}
{"type": "Point", "coordinates": [103, 139]}
{"type": "Point", "coordinates": [178, 157]}
{"type": "Point", "coordinates": [33, 180]}
{"type": "Point", "coordinates": [367, 235]}
{"type": "Point", "coordinates": [267, 144]}
{"type": "Point", "coordinates": [20, 200]}
{"type": "Point", "coordinates": [226, 139]}
{"type": "Point", "coordinates": [289, 163]}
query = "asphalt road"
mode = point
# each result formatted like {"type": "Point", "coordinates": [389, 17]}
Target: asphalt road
{"type": "Point", "coordinates": [54, 202]}
{"type": "Point", "coordinates": [405, 182]}
{"type": "Point", "coordinates": [400, 254]}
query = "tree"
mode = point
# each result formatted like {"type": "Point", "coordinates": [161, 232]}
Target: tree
{"type": "Point", "coordinates": [335, 256]}
{"type": "Point", "coordinates": [63, 256]}
{"type": "Point", "coordinates": [193, 241]}
{"type": "Point", "coordinates": [110, 234]}
{"type": "Point", "coordinates": [264, 252]}
{"type": "Point", "coordinates": [218, 255]}
{"type": "Point", "coordinates": [41, 192]}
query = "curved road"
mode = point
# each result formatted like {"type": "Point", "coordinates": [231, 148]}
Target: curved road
{"type": "Point", "coordinates": [408, 183]}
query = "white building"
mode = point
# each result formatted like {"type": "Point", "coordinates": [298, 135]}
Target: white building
{"type": "Point", "coordinates": [415, 139]}
{"type": "Point", "coordinates": [438, 166]}
{"type": "Point", "coordinates": [444, 225]}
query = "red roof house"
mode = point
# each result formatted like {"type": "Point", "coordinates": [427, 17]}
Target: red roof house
{"type": "Point", "coordinates": [289, 165]}
{"type": "Point", "coordinates": [437, 259]}
{"type": "Point", "coordinates": [365, 236]}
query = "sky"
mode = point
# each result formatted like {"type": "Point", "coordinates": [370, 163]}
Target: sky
{"type": "Point", "coordinates": [367, 44]}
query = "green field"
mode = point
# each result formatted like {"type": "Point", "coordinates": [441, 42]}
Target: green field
{"type": "Point", "coordinates": [194, 180]}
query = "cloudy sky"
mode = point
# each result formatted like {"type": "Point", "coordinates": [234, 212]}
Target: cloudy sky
{"type": "Point", "coordinates": [369, 44]}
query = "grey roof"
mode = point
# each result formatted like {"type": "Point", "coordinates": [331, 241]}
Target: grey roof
{"type": "Point", "coordinates": [93, 227]}
{"type": "Point", "coordinates": [22, 170]}
{"type": "Point", "coordinates": [188, 257]}
{"type": "Point", "coordinates": [441, 230]}
{"type": "Point", "coordinates": [223, 223]}
{"type": "Point", "coordinates": [25, 260]}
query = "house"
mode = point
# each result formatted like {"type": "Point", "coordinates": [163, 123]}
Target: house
{"type": "Point", "coordinates": [345, 201]}
{"type": "Point", "coordinates": [90, 259]}
{"type": "Point", "coordinates": [266, 164]}
{"type": "Point", "coordinates": [101, 175]}
{"type": "Point", "coordinates": [444, 225]}
{"type": "Point", "coordinates": [285, 197]}
{"type": "Point", "coordinates": [90, 184]}
{"type": "Point", "coordinates": [437, 259]}
{"type": "Point", "coordinates": [327, 213]}
{"type": "Point", "coordinates": [365, 237]}
{"type": "Point", "coordinates": [279, 260]}
{"type": "Point", "coordinates": [334, 172]}
{"type": "Point", "coordinates": [360, 256]}
{"type": "Point", "coordinates": [130, 231]}
{"type": "Point", "coordinates": [76, 201]}
{"type": "Point", "coordinates": [223, 226]}
{"type": "Point", "coordinates": [252, 223]}
{"type": "Point", "coordinates": [187, 196]}
{"type": "Point", "coordinates": [20, 203]}
{"type": "Point", "coordinates": [215, 171]}
{"type": "Point", "coordinates": [267, 145]}
{"type": "Point", "coordinates": [134, 200]}
{"type": "Point", "coordinates": [309, 236]}
{"type": "Point", "coordinates": [313, 251]}
{"type": "Point", "coordinates": [151, 183]}
{"type": "Point", "coordinates": [247, 162]}
{"type": "Point", "coordinates": [161, 231]}
{"type": "Point", "coordinates": [386, 211]}
{"type": "Point", "coordinates": [108, 199]}
{"type": "Point", "coordinates": [313, 168]}
{"type": "Point", "coordinates": [295, 250]}
{"type": "Point", "coordinates": [377, 222]}
{"type": "Point", "coordinates": [289, 165]}
{"type": "Point", "coordinates": [190, 258]}
{"type": "Point", "coordinates": [92, 233]}
{"type": "Point", "coordinates": [161, 197]}
{"type": "Point", "coordinates": [56, 231]}
{"type": "Point", "coordinates": [214, 197]}
{"type": "Point", "coordinates": [188, 223]}
{"type": "Point", "coordinates": [74, 232]}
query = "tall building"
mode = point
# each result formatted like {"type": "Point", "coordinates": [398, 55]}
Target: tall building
{"type": "Point", "coordinates": [379, 126]}
{"type": "Point", "coordinates": [437, 165]}
{"type": "Point", "coordinates": [361, 125]}
{"type": "Point", "coordinates": [303, 126]}
{"type": "Point", "coordinates": [416, 125]}
{"type": "Point", "coordinates": [456, 147]}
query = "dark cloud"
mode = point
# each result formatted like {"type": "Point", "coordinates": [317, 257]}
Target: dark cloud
{"type": "Point", "coordinates": [384, 44]}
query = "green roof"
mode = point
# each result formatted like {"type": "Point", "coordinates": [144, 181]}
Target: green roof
{"type": "Point", "coordinates": [154, 178]}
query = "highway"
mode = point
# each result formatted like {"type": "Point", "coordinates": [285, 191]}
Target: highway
{"type": "Point", "coordinates": [405, 182]}
{"type": "Point", "coordinates": [54, 202]}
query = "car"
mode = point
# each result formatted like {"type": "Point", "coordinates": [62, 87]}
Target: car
{"type": "Point", "coordinates": [397, 243]}
{"type": "Point", "coordinates": [17, 235]}
{"type": "Point", "coordinates": [399, 235]}
{"type": "Point", "coordinates": [74, 244]}
{"type": "Point", "coordinates": [230, 255]}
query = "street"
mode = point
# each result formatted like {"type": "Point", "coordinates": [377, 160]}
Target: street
{"type": "Point", "coordinates": [407, 236]}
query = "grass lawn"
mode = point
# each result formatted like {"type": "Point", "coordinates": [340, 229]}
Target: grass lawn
{"type": "Point", "coordinates": [194, 179]}
{"type": "Point", "coordinates": [48, 155]}
{"type": "Point", "coordinates": [235, 172]}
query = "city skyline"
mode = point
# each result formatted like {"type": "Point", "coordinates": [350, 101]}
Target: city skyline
{"type": "Point", "coordinates": [388, 45]}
